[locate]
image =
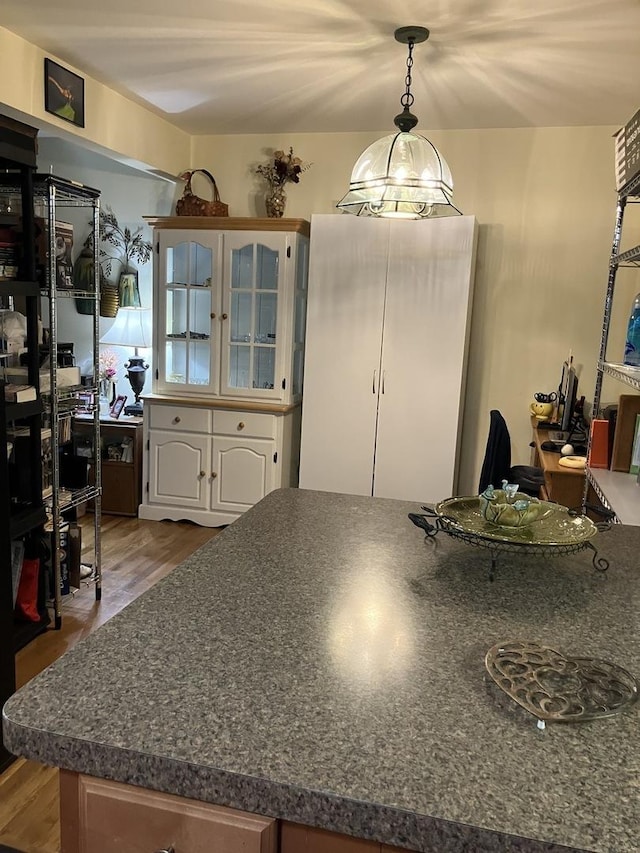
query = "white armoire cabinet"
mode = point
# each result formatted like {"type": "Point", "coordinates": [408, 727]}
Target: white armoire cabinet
{"type": "Point", "coordinates": [222, 426]}
{"type": "Point", "coordinates": [389, 309]}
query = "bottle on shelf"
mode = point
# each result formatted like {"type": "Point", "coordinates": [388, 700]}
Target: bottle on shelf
{"type": "Point", "coordinates": [632, 343]}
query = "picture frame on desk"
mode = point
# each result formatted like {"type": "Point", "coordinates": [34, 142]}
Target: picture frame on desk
{"type": "Point", "coordinates": [85, 402]}
{"type": "Point", "coordinates": [118, 406]}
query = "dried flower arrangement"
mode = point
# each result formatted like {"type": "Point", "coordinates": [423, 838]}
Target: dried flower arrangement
{"type": "Point", "coordinates": [282, 169]}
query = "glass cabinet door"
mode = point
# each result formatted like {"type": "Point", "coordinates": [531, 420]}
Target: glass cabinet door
{"type": "Point", "coordinates": [186, 345]}
{"type": "Point", "coordinates": [300, 317]}
{"type": "Point", "coordinates": [252, 302]}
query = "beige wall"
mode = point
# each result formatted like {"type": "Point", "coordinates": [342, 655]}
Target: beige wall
{"type": "Point", "coordinates": [544, 200]}
{"type": "Point", "coordinates": [114, 124]}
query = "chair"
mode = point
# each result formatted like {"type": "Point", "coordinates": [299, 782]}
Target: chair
{"type": "Point", "coordinates": [497, 461]}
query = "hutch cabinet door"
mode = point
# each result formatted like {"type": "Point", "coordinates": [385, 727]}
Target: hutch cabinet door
{"type": "Point", "coordinates": [187, 311]}
{"type": "Point", "coordinates": [253, 329]}
{"type": "Point", "coordinates": [179, 469]}
{"type": "Point", "coordinates": [242, 472]}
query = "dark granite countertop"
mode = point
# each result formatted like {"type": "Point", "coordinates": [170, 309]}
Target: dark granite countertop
{"type": "Point", "coordinates": [322, 662]}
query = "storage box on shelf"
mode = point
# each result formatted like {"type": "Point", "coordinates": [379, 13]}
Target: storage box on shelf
{"type": "Point", "coordinates": [222, 427]}
{"type": "Point", "coordinates": [618, 491]}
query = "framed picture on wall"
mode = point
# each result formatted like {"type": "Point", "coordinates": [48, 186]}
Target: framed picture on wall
{"type": "Point", "coordinates": [63, 93]}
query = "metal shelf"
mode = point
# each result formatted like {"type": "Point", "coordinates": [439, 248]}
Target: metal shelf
{"type": "Point", "coordinates": [52, 193]}
{"type": "Point", "coordinates": [630, 258]}
{"type": "Point", "coordinates": [618, 492]}
{"type": "Point", "coordinates": [16, 287]}
{"type": "Point", "coordinates": [622, 372]}
{"type": "Point", "coordinates": [632, 188]}
{"type": "Point", "coordinates": [25, 520]}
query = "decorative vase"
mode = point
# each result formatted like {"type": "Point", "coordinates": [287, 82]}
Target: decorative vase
{"type": "Point", "coordinates": [109, 299]}
{"type": "Point", "coordinates": [107, 394]}
{"type": "Point", "coordinates": [275, 202]}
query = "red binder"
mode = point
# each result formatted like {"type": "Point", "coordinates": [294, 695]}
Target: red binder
{"type": "Point", "coordinates": [599, 444]}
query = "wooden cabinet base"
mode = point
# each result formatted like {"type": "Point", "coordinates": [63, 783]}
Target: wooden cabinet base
{"type": "Point", "coordinates": [295, 838]}
{"type": "Point", "coordinates": [98, 816]}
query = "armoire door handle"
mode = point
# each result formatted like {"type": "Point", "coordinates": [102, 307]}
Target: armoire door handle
{"type": "Point", "coordinates": [384, 372]}
{"type": "Point", "coordinates": [373, 384]}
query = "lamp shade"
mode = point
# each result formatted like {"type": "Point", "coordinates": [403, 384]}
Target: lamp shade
{"type": "Point", "coordinates": [131, 328]}
{"type": "Point", "coordinates": [401, 175]}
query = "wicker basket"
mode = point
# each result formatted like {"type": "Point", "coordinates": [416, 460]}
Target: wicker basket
{"type": "Point", "coordinates": [192, 205]}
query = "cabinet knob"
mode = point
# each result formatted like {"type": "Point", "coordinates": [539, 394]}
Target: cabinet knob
{"type": "Point", "coordinates": [241, 425]}
{"type": "Point", "coordinates": [224, 316]}
{"type": "Point", "coordinates": [203, 473]}
{"type": "Point", "coordinates": [176, 420]}
{"type": "Point", "coordinates": [213, 475]}
{"type": "Point", "coordinates": [213, 315]}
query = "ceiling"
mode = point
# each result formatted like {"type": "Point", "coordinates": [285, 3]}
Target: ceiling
{"type": "Point", "coordinates": [271, 66]}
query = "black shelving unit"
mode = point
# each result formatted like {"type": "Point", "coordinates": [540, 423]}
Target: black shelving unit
{"type": "Point", "coordinates": [22, 518]}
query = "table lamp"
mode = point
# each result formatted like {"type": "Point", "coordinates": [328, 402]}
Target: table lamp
{"type": "Point", "coordinates": [131, 328]}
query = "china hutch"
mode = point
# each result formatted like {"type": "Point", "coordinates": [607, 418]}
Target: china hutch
{"type": "Point", "coordinates": [222, 426]}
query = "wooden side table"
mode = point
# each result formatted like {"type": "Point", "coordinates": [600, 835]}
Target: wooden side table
{"type": "Point", "coordinates": [120, 458]}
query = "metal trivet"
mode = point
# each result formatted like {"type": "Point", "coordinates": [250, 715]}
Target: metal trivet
{"type": "Point", "coordinates": [557, 688]}
{"type": "Point", "coordinates": [496, 547]}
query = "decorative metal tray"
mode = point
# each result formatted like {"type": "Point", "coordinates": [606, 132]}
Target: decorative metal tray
{"type": "Point", "coordinates": [557, 532]}
{"type": "Point", "coordinates": [554, 687]}
{"type": "Point", "coordinates": [555, 526]}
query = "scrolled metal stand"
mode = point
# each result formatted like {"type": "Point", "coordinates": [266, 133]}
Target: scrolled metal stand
{"type": "Point", "coordinates": [453, 529]}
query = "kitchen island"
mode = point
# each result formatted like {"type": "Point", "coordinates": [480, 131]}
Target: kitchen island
{"type": "Point", "coordinates": [322, 663]}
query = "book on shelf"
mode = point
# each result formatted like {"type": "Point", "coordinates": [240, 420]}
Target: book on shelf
{"type": "Point", "coordinates": [19, 393]}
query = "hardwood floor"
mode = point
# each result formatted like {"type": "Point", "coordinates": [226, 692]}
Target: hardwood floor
{"type": "Point", "coordinates": [135, 555]}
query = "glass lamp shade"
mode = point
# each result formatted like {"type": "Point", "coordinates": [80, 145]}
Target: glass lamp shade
{"type": "Point", "coordinates": [401, 176]}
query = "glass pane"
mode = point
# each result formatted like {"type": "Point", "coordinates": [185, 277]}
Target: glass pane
{"type": "Point", "coordinates": [189, 263]}
{"type": "Point", "coordinates": [267, 278]}
{"type": "Point", "coordinates": [178, 264]}
{"type": "Point", "coordinates": [176, 361]}
{"type": "Point", "coordinates": [199, 359]}
{"type": "Point", "coordinates": [301, 316]}
{"type": "Point", "coordinates": [176, 319]}
{"type": "Point", "coordinates": [301, 264]}
{"type": "Point", "coordinates": [242, 267]}
{"type": "Point", "coordinates": [201, 258]}
{"type": "Point", "coordinates": [239, 360]}
{"type": "Point", "coordinates": [267, 305]}
{"type": "Point", "coordinates": [297, 371]}
{"type": "Point", "coordinates": [241, 317]}
{"type": "Point", "coordinates": [200, 314]}
{"type": "Point", "coordinates": [264, 362]}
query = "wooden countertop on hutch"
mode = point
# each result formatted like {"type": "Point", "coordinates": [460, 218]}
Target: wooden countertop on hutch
{"type": "Point", "coordinates": [229, 405]}
{"type": "Point", "coordinates": [229, 223]}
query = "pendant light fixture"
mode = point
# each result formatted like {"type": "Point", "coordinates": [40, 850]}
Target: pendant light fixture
{"type": "Point", "coordinates": [402, 175]}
